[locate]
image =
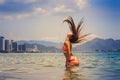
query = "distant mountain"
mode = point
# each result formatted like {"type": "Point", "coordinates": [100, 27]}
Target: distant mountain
{"type": "Point", "coordinates": [42, 48]}
{"type": "Point", "coordinates": [45, 43]}
{"type": "Point", "coordinates": [99, 45]}
{"type": "Point", "coordinates": [95, 45]}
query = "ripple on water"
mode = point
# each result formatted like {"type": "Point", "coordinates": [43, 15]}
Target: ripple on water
{"type": "Point", "coordinates": [49, 66]}
{"type": "Point", "coordinates": [12, 69]}
{"type": "Point", "coordinates": [45, 66]}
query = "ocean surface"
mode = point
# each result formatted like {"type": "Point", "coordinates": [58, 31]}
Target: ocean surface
{"type": "Point", "coordinates": [50, 66]}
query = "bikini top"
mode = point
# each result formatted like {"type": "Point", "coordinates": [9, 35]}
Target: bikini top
{"type": "Point", "coordinates": [64, 48]}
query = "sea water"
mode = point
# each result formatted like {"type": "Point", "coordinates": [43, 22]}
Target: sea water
{"type": "Point", "coordinates": [51, 66]}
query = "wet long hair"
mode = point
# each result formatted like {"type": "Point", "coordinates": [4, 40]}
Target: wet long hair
{"type": "Point", "coordinates": [77, 36]}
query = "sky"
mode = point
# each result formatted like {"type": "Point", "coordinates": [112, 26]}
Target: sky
{"type": "Point", "coordinates": [43, 19]}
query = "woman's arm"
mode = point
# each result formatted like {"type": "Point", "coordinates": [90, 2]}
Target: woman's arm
{"type": "Point", "coordinates": [68, 53]}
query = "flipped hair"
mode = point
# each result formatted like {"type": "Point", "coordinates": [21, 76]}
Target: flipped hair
{"type": "Point", "coordinates": [77, 37]}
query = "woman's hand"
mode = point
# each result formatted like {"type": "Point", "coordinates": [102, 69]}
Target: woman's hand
{"type": "Point", "coordinates": [69, 64]}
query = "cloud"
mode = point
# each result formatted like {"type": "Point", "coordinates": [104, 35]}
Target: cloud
{"type": "Point", "coordinates": [39, 10]}
{"type": "Point", "coordinates": [20, 16]}
{"type": "Point", "coordinates": [25, 8]}
{"type": "Point", "coordinates": [17, 16]}
{"type": "Point", "coordinates": [82, 4]}
{"type": "Point", "coordinates": [6, 17]}
{"type": "Point", "coordinates": [62, 9]}
{"type": "Point", "coordinates": [35, 12]}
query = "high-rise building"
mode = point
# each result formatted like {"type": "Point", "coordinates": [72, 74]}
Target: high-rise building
{"type": "Point", "coordinates": [11, 41]}
{"type": "Point", "coordinates": [22, 48]}
{"type": "Point", "coordinates": [2, 43]}
{"type": "Point", "coordinates": [14, 47]}
{"type": "Point", "coordinates": [7, 46]}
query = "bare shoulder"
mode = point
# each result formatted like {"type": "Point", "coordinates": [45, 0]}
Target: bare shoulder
{"type": "Point", "coordinates": [67, 43]}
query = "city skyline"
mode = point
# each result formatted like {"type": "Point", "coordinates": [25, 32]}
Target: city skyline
{"type": "Point", "coordinates": [43, 20]}
{"type": "Point", "coordinates": [7, 45]}
{"type": "Point", "coordinates": [11, 46]}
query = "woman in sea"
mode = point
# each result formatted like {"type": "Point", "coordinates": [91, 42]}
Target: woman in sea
{"type": "Point", "coordinates": [74, 36]}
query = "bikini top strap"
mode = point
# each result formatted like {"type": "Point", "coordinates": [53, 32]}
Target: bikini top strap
{"type": "Point", "coordinates": [68, 41]}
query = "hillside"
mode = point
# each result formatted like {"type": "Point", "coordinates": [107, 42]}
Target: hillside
{"type": "Point", "coordinates": [99, 45]}
{"type": "Point", "coordinates": [95, 45]}
{"type": "Point", "coordinates": [41, 42]}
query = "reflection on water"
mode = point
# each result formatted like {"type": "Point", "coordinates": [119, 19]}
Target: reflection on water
{"type": "Point", "coordinates": [50, 66]}
{"type": "Point", "coordinates": [72, 74]}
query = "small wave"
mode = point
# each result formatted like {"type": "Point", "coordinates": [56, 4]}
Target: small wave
{"type": "Point", "coordinates": [49, 66]}
{"type": "Point", "coordinates": [21, 72]}
{"type": "Point", "coordinates": [10, 70]}
{"type": "Point", "coordinates": [30, 63]}
{"type": "Point", "coordinates": [89, 67]}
